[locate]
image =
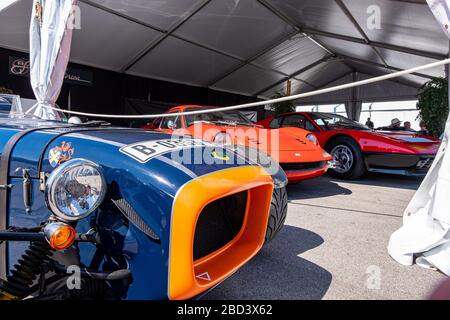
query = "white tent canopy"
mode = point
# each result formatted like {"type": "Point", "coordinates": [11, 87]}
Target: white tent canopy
{"type": "Point", "coordinates": [253, 47]}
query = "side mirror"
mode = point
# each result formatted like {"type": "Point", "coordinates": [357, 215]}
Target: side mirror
{"type": "Point", "coordinates": [171, 124]}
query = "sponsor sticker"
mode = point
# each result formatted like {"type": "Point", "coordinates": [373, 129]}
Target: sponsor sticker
{"type": "Point", "coordinates": [220, 155]}
{"type": "Point", "coordinates": [146, 150]}
{"type": "Point", "coordinates": [53, 156]}
{"type": "Point", "coordinates": [60, 154]}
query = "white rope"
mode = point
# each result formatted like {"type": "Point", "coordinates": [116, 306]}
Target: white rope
{"type": "Point", "coordinates": [34, 106]}
{"type": "Point", "coordinates": [265, 102]}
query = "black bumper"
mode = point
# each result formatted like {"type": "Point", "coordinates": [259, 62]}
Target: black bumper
{"type": "Point", "coordinates": [395, 163]}
{"type": "Point", "coordinates": [302, 166]}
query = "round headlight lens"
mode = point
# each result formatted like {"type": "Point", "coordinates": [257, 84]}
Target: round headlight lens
{"type": "Point", "coordinates": [311, 137]}
{"type": "Point", "coordinates": [75, 189]}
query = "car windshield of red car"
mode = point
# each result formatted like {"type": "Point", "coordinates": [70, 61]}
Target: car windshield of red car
{"type": "Point", "coordinates": [223, 118]}
{"type": "Point", "coordinates": [329, 121]}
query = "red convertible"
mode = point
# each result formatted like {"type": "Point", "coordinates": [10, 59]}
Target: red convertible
{"type": "Point", "coordinates": [357, 149]}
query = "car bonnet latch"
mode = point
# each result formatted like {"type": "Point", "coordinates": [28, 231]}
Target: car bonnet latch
{"type": "Point", "coordinates": [26, 190]}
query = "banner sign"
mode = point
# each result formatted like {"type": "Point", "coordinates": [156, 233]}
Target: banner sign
{"type": "Point", "coordinates": [21, 67]}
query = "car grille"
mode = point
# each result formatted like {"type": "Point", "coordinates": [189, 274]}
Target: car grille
{"type": "Point", "coordinates": [302, 166]}
{"type": "Point", "coordinates": [219, 223]}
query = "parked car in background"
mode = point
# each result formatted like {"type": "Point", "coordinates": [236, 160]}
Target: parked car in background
{"type": "Point", "coordinates": [296, 149]}
{"type": "Point", "coordinates": [357, 149]}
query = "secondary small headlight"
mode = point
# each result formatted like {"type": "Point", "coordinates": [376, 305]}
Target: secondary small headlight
{"type": "Point", "coordinates": [75, 189]}
{"type": "Point", "coordinates": [311, 137]}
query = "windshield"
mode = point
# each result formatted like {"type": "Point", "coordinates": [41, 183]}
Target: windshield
{"type": "Point", "coordinates": [329, 121]}
{"type": "Point", "coordinates": [10, 105]}
{"type": "Point", "coordinates": [222, 117]}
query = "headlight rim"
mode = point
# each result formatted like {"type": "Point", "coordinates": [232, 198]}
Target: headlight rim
{"type": "Point", "coordinates": [68, 165]}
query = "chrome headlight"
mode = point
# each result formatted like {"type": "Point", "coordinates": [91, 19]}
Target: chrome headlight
{"type": "Point", "coordinates": [264, 160]}
{"type": "Point", "coordinates": [75, 189]}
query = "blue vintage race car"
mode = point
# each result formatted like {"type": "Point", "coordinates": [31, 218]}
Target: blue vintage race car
{"type": "Point", "coordinates": [96, 211]}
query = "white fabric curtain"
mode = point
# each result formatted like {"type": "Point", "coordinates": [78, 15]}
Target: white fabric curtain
{"type": "Point", "coordinates": [426, 221]}
{"type": "Point", "coordinates": [50, 41]}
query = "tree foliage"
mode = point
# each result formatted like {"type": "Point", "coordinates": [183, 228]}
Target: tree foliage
{"type": "Point", "coordinates": [5, 90]}
{"type": "Point", "coordinates": [282, 107]}
{"type": "Point", "coordinates": [433, 105]}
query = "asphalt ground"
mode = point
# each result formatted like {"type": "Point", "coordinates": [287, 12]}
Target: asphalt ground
{"type": "Point", "coordinates": [333, 246]}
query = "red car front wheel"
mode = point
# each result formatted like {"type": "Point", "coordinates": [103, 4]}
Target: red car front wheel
{"type": "Point", "coordinates": [348, 158]}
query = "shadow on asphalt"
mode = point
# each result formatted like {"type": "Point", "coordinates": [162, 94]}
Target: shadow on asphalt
{"type": "Point", "coordinates": [316, 188]}
{"type": "Point", "coordinates": [384, 180]}
{"type": "Point", "coordinates": [277, 272]}
{"type": "Point", "coordinates": [327, 186]}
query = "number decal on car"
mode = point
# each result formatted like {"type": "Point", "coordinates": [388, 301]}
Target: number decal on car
{"type": "Point", "coordinates": [146, 150]}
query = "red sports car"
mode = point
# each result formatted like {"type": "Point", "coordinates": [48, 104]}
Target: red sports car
{"type": "Point", "coordinates": [356, 148]}
{"type": "Point", "coordinates": [297, 150]}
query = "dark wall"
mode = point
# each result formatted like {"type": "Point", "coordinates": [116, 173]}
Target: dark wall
{"type": "Point", "coordinates": [110, 89]}
{"type": "Point", "coordinates": [20, 85]}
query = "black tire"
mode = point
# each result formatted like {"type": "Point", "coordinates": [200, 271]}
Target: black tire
{"type": "Point", "coordinates": [351, 150]}
{"type": "Point", "coordinates": [278, 213]}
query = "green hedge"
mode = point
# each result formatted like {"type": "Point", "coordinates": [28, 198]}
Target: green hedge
{"type": "Point", "coordinates": [433, 105]}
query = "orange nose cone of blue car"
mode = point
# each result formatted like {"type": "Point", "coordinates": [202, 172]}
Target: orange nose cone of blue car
{"type": "Point", "coordinates": [189, 274]}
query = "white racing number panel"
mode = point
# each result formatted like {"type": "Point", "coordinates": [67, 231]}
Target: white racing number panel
{"type": "Point", "coordinates": [146, 150]}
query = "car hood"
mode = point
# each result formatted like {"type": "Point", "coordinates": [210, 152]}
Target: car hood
{"type": "Point", "coordinates": [418, 142]}
{"type": "Point", "coordinates": [104, 145]}
{"type": "Point", "coordinates": [408, 136]}
{"type": "Point", "coordinates": [283, 139]}
{"type": "Point", "coordinates": [407, 141]}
